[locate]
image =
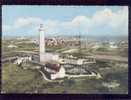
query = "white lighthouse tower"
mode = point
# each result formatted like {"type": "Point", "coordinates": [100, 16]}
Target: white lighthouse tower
{"type": "Point", "coordinates": [51, 61]}
{"type": "Point", "coordinates": [42, 43]}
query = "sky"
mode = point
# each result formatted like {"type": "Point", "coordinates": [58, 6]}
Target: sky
{"type": "Point", "coordinates": [65, 20]}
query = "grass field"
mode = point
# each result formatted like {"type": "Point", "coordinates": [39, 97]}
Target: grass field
{"type": "Point", "coordinates": [15, 79]}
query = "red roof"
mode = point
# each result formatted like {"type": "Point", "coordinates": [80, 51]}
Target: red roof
{"type": "Point", "coordinates": [55, 67]}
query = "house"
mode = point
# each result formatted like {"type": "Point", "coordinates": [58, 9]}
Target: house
{"type": "Point", "coordinates": [22, 59]}
{"type": "Point", "coordinates": [113, 45]}
{"type": "Point", "coordinates": [12, 46]}
{"type": "Point", "coordinates": [54, 71]}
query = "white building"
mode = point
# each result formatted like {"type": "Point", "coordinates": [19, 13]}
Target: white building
{"type": "Point", "coordinates": [59, 74]}
{"type": "Point", "coordinates": [113, 45]}
{"type": "Point", "coordinates": [22, 59]}
{"type": "Point", "coordinates": [12, 46]}
{"type": "Point", "coordinates": [53, 71]}
{"type": "Point", "coordinates": [78, 61]}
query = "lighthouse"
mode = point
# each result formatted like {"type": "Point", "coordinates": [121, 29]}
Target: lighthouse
{"type": "Point", "coordinates": [52, 67]}
{"type": "Point", "coordinates": [42, 43]}
{"type": "Point", "coordinates": [44, 56]}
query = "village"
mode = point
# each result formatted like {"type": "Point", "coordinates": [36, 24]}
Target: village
{"type": "Point", "coordinates": [58, 58]}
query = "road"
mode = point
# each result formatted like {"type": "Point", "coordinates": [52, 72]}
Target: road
{"type": "Point", "coordinates": [97, 57]}
{"type": "Point", "coordinates": [8, 59]}
{"type": "Point", "coordinates": [111, 58]}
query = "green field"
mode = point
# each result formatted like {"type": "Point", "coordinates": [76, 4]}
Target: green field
{"type": "Point", "coordinates": [15, 79]}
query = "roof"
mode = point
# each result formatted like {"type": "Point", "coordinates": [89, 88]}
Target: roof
{"type": "Point", "coordinates": [55, 67]}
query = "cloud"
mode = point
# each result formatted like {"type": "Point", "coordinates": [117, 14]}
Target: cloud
{"type": "Point", "coordinates": [79, 23]}
{"type": "Point", "coordinates": [113, 20]}
{"type": "Point", "coordinates": [22, 22]}
{"type": "Point", "coordinates": [80, 20]}
{"type": "Point", "coordinates": [102, 22]}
